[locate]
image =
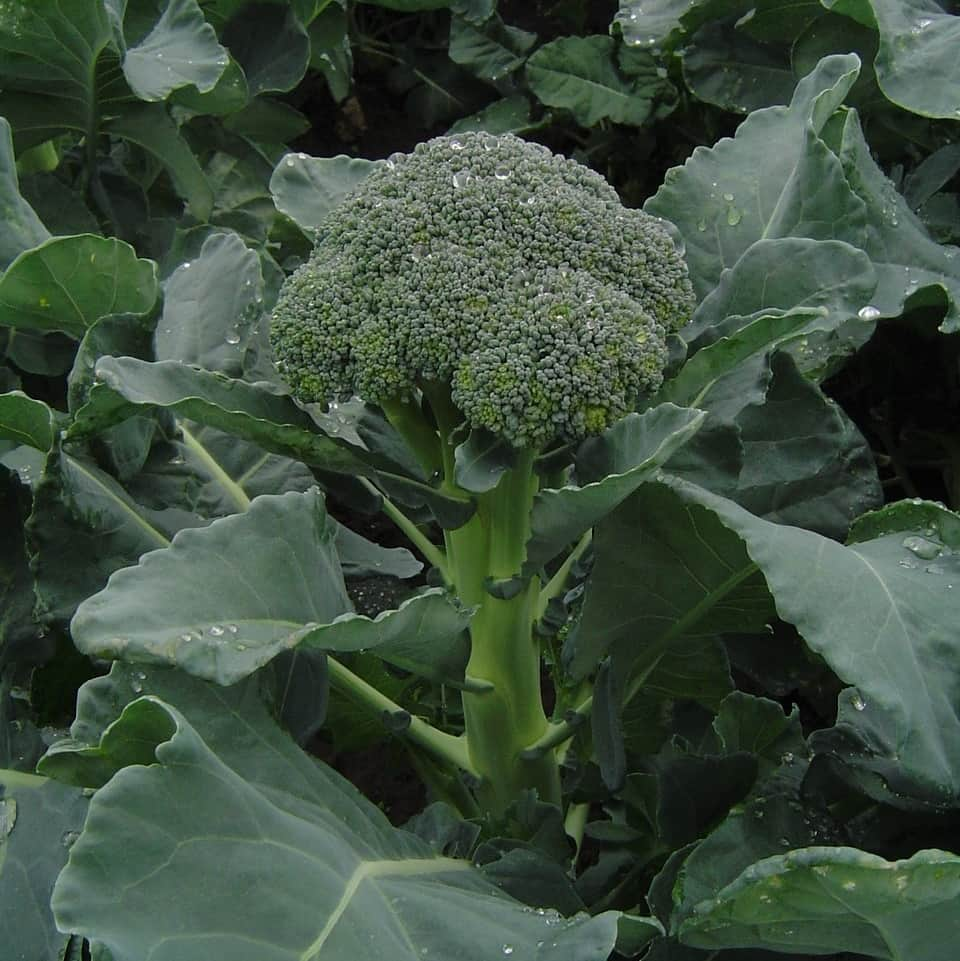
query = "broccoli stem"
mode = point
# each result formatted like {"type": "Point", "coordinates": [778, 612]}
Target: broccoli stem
{"type": "Point", "coordinates": [501, 722]}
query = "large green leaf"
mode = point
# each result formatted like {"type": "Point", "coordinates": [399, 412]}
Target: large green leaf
{"type": "Point", "coordinates": [315, 870]}
{"type": "Point", "coordinates": [223, 600]}
{"type": "Point", "coordinates": [510, 115]}
{"type": "Point", "coordinates": [667, 577]}
{"type": "Point", "coordinates": [580, 75]}
{"type": "Point", "coordinates": [704, 378]}
{"type": "Point", "coordinates": [425, 635]}
{"type": "Point", "coordinates": [22, 228]}
{"type": "Point", "coordinates": [805, 171]}
{"type": "Point", "coordinates": [221, 628]}
{"type": "Point", "coordinates": [253, 411]}
{"type": "Point", "coordinates": [149, 126]}
{"type": "Point", "coordinates": [916, 65]}
{"type": "Point", "coordinates": [26, 421]}
{"type": "Point", "coordinates": [213, 474]}
{"type": "Point", "coordinates": [256, 412]}
{"type": "Point", "coordinates": [828, 278]}
{"type": "Point", "coordinates": [211, 306]}
{"type": "Point", "coordinates": [825, 900]}
{"type": "Point", "coordinates": [881, 613]}
{"type": "Point", "coordinates": [307, 188]}
{"type": "Point", "coordinates": [754, 170]}
{"type": "Point", "coordinates": [610, 467]}
{"type": "Point", "coordinates": [83, 527]}
{"type": "Point", "coordinates": [726, 66]}
{"type": "Point", "coordinates": [67, 283]}
{"type": "Point", "coordinates": [116, 335]}
{"type": "Point", "coordinates": [331, 51]}
{"type": "Point", "coordinates": [769, 823]}
{"type": "Point", "coordinates": [491, 50]}
{"type": "Point", "coordinates": [271, 44]}
{"type": "Point", "coordinates": [864, 745]}
{"type": "Point", "coordinates": [49, 52]}
{"type": "Point", "coordinates": [908, 261]}
{"type": "Point", "coordinates": [804, 460]}
{"type": "Point", "coordinates": [360, 557]}
{"type": "Point", "coordinates": [180, 50]}
{"type": "Point", "coordinates": [39, 820]}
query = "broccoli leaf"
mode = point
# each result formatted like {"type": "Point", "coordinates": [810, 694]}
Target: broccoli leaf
{"type": "Point", "coordinates": [340, 879]}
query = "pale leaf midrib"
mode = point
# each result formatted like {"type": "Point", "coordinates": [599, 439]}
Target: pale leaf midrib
{"type": "Point", "coordinates": [372, 869]}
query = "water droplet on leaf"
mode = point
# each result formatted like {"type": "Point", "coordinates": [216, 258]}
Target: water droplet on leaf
{"type": "Point", "coordinates": [922, 547]}
{"type": "Point", "coordinates": [868, 313]}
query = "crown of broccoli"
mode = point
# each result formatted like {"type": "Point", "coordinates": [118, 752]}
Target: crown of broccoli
{"type": "Point", "coordinates": [490, 265]}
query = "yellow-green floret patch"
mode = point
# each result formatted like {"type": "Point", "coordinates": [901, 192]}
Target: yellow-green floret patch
{"type": "Point", "coordinates": [492, 265]}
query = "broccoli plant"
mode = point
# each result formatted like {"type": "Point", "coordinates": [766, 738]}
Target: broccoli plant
{"type": "Point", "coordinates": [483, 284]}
{"type": "Point", "coordinates": [676, 673]}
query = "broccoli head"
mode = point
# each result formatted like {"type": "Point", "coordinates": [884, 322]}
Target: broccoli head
{"type": "Point", "coordinates": [490, 265]}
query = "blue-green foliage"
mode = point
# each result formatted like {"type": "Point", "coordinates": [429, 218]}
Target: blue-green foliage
{"type": "Point", "coordinates": [490, 265]}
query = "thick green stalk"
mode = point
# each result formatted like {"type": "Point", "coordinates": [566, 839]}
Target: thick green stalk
{"type": "Point", "coordinates": [501, 722]}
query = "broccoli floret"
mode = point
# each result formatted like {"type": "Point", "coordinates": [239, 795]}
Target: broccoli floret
{"type": "Point", "coordinates": [490, 265]}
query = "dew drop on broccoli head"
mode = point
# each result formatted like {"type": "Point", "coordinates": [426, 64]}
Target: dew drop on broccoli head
{"type": "Point", "coordinates": [501, 173]}
{"type": "Point", "coordinates": [461, 178]}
